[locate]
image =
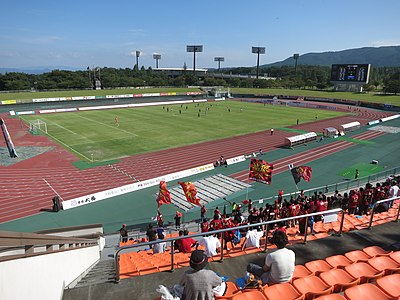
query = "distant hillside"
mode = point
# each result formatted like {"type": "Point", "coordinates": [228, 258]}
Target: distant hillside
{"type": "Point", "coordinates": [37, 70]}
{"type": "Point", "coordinates": [376, 56]}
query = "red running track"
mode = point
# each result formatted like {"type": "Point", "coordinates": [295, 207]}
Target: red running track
{"type": "Point", "coordinates": [25, 186]}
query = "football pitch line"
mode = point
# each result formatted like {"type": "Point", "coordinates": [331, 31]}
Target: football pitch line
{"type": "Point", "coordinates": [113, 127]}
{"type": "Point", "coordinates": [69, 147]}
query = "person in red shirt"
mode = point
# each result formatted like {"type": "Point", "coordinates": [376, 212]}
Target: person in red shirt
{"type": "Point", "coordinates": [185, 245]}
{"type": "Point", "coordinates": [205, 227]}
{"type": "Point", "coordinates": [353, 202]}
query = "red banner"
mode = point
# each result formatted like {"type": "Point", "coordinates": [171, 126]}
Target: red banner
{"type": "Point", "coordinates": [260, 171]}
{"type": "Point", "coordinates": [164, 196]}
{"type": "Point", "coordinates": [190, 192]}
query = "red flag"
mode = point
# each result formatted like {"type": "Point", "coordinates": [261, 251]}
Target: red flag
{"type": "Point", "coordinates": [260, 171]}
{"type": "Point", "coordinates": [164, 196]}
{"type": "Point", "coordinates": [304, 172]}
{"type": "Point", "coordinates": [307, 173]}
{"type": "Point", "coordinates": [190, 192]}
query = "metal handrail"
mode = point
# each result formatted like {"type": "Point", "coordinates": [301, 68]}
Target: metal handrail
{"type": "Point", "coordinates": [379, 202]}
{"type": "Point", "coordinates": [172, 240]}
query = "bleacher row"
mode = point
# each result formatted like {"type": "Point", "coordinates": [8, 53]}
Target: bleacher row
{"type": "Point", "coordinates": [145, 262]}
{"type": "Point", "coordinates": [370, 273]}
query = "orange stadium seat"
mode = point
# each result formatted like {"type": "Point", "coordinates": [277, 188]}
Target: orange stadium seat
{"type": "Point", "coordinates": [231, 290]}
{"type": "Point", "coordinates": [301, 271]}
{"type": "Point", "coordinates": [376, 251]}
{"type": "Point", "coordinates": [366, 291]}
{"type": "Point", "coordinates": [338, 261]}
{"type": "Point", "coordinates": [249, 295]}
{"type": "Point", "coordinates": [312, 286]}
{"type": "Point", "coordinates": [363, 271]}
{"type": "Point", "coordinates": [318, 266]}
{"type": "Point", "coordinates": [384, 263]}
{"type": "Point", "coordinates": [390, 284]}
{"type": "Point", "coordinates": [282, 291]}
{"type": "Point", "coordinates": [331, 297]}
{"type": "Point", "coordinates": [357, 255]}
{"type": "Point", "coordinates": [339, 279]}
{"type": "Point", "coordinates": [395, 256]}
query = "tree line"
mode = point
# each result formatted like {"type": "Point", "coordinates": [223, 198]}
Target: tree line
{"type": "Point", "coordinates": [386, 80]}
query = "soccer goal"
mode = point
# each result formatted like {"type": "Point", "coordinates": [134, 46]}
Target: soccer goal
{"type": "Point", "coordinates": [37, 126]}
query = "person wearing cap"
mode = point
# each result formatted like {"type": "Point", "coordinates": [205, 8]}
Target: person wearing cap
{"type": "Point", "coordinates": [124, 233]}
{"type": "Point", "coordinates": [279, 264]}
{"type": "Point", "coordinates": [198, 282]}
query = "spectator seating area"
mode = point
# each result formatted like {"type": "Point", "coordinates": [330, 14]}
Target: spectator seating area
{"type": "Point", "coordinates": [145, 262]}
{"type": "Point", "coordinates": [376, 277]}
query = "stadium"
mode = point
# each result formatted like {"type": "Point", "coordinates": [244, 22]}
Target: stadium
{"type": "Point", "coordinates": [83, 166]}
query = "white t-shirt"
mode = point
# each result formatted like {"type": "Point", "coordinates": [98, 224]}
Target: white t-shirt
{"type": "Point", "coordinates": [394, 191]}
{"type": "Point", "coordinates": [253, 238]}
{"type": "Point", "coordinates": [160, 247]}
{"type": "Point", "coordinates": [210, 243]}
{"type": "Point", "coordinates": [281, 263]}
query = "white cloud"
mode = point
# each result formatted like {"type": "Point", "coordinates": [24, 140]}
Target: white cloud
{"type": "Point", "coordinates": [386, 43]}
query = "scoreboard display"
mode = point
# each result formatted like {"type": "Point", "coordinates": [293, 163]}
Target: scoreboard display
{"type": "Point", "coordinates": [350, 73]}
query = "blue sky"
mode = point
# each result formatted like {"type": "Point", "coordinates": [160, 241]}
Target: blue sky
{"type": "Point", "coordinates": [105, 33]}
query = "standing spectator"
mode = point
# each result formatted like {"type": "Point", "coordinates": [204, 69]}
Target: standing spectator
{"type": "Point", "coordinates": [203, 211]}
{"type": "Point", "coordinates": [151, 233]}
{"type": "Point", "coordinates": [217, 213]}
{"type": "Point", "coordinates": [205, 227]}
{"type": "Point", "coordinates": [353, 202]}
{"type": "Point", "coordinates": [160, 219]}
{"type": "Point", "coordinates": [123, 233]}
{"type": "Point", "coordinates": [160, 247]}
{"type": "Point", "coordinates": [279, 264]}
{"type": "Point", "coordinates": [393, 191]}
{"type": "Point", "coordinates": [249, 206]}
{"type": "Point", "coordinates": [177, 218]}
{"type": "Point", "coordinates": [198, 282]}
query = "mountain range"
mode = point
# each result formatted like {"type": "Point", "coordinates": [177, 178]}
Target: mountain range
{"type": "Point", "coordinates": [386, 56]}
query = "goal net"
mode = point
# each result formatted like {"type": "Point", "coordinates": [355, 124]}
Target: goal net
{"type": "Point", "coordinates": [38, 126]}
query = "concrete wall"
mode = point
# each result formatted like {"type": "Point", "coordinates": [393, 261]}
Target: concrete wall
{"type": "Point", "coordinates": [44, 276]}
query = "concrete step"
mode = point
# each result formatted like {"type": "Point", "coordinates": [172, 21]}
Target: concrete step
{"type": "Point", "coordinates": [103, 272]}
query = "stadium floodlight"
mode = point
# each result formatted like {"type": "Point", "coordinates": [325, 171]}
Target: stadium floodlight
{"type": "Point", "coordinates": [296, 57]}
{"type": "Point", "coordinates": [194, 49]}
{"type": "Point", "coordinates": [137, 54]}
{"type": "Point", "coordinates": [258, 51]}
{"type": "Point", "coordinates": [157, 57]}
{"type": "Point", "coordinates": [219, 59]}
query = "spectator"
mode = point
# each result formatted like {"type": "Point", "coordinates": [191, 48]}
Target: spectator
{"type": "Point", "coordinates": [160, 219]}
{"type": "Point", "coordinates": [123, 233]}
{"type": "Point", "coordinates": [160, 247]}
{"type": "Point", "coordinates": [252, 239]}
{"type": "Point", "coordinates": [185, 245]}
{"type": "Point", "coordinates": [151, 233]}
{"type": "Point", "coordinates": [203, 211]}
{"type": "Point", "coordinates": [198, 282]}
{"type": "Point", "coordinates": [279, 264]}
{"type": "Point", "coordinates": [205, 227]}
{"type": "Point", "coordinates": [211, 245]}
{"type": "Point", "coordinates": [177, 218]}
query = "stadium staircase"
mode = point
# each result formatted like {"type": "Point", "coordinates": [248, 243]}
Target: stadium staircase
{"type": "Point", "coordinates": [102, 272]}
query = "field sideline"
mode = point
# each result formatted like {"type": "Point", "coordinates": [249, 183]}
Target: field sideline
{"type": "Point", "coordinates": [368, 97]}
{"type": "Point", "coordinates": [96, 134]}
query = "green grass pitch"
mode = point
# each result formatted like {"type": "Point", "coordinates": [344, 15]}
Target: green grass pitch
{"type": "Point", "coordinates": [94, 134]}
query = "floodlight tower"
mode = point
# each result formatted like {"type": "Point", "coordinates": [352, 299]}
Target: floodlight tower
{"type": "Point", "coordinates": [157, 57]}
{"type": "Point", "coordinates": [258, 50]}
{"type": "Point", "coordinates": [296, 57]}
{"type": "Point", "coordinates": [194, 49]}
{"type": "Point", "coordinates": [137, 53]}
{"type": "Point", "coordinates": [219, 59]}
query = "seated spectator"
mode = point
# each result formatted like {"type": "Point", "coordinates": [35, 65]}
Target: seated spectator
{"type": "Point", "coordinates": [198, 283]}
{"type": "Point", "coordinates": [211, 245]}
{"type": "Point", "coordinates": [185, 245]}
{"type": "Point", "coordinates": [252, 239]}
{"type": "Point", "coordinates": [279, 264]}
{"type": "Point", "coordinates": [160, 247]}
